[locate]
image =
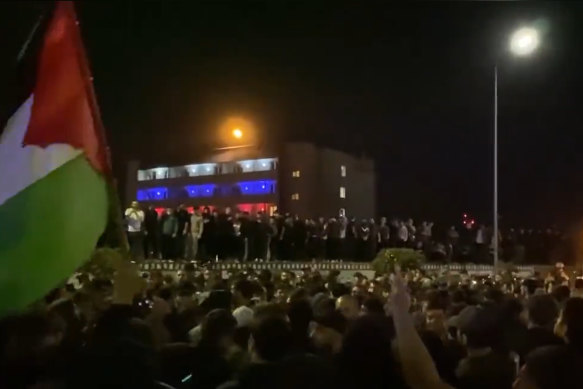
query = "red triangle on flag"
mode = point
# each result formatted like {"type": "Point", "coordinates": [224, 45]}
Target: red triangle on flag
{"type": "Point", "coordinates": [64, 109]}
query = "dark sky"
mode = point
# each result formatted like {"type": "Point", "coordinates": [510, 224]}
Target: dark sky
{"type": "Point", "coordinates": [410, 86]}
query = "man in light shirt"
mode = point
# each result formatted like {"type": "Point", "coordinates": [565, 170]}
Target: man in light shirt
{"type": "Point", "coordinates": [196, 228]}
{"type": "Point", "coordinates": [134, 217]}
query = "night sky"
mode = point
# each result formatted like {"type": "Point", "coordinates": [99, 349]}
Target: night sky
{"type": "Point", "coordinates": [410, 86]}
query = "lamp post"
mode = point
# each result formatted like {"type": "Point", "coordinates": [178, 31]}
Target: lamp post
{"type": "Point", "coordinates": [523, 42]}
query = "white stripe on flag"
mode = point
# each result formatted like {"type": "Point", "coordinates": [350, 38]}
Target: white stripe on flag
{"type": "Point", "coordinates": [21, 166]}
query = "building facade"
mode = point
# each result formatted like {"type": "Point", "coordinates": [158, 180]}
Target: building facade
{"type": "Point", "coordinates": [299, 178]}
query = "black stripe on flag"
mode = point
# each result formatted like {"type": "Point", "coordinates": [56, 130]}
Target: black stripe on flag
{"type": "Point", "coordinates": [19, 78]}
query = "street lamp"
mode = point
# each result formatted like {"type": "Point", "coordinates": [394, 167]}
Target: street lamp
{"type": "Point", "coordinates": [237, 133]}
{"type": "Point", "coordinates": [523, 42]}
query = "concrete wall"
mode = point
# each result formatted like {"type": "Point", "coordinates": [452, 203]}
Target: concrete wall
{"type": "Point", "coordinates": [302, 157]}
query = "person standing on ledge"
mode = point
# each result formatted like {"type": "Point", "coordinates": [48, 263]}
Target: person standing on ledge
{"type": "Point", "coordinates": [151, 246]}
{"type": "Point", "coordinates": [134, 220]}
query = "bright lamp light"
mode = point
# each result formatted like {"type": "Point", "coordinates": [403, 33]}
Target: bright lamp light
{"type": "Point", "coordinates": [237, 133]}
{"type": "Point", "coordinates": [524, 41]}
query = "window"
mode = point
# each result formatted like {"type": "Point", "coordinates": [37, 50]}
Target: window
{"type": "Point", "coordinates": [296, 173]}
{"type": "Point", "coordinates": [342, 192]}
{"type": "Point", "coordinates": [295, 196]}
{"type": "Point", "coordinates": [342, 171]}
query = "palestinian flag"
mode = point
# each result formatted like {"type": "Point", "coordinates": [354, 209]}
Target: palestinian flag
{"type": "Point", "coordinates": [53, 192]}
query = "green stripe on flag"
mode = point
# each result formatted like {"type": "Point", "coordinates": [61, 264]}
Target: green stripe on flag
{"type": "Point", "coordinates": [48, 230]}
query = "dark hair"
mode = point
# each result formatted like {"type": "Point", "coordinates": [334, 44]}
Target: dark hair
{"type": "Point", "coordinates": [300, 315]}
{"type": "Point", "coordinates": [166, 293]}
{"type": "Point", "coordinates": [298, 294]}
{"type": "Point", "coordinates": [334, 320]}
{"type": "Point", "coordinates": [438, 300]}
{"type": "Point", "coordinates": [245, 287]}
{"type": "Point", "coordinates": [101, 284]}
{"type": "Point", "coordinates": [265, 276]}
{"type": "Point", "coordinates": [374, 305]}
{"type": "Point", "coordinates": [269, 309]}
{"type": "Point", "coordinates": [338, 290]}
{"type": "Point", "coordinates": [189, 267]}
{"type": "Point", "coordinates": [366, 359]}
{"type": "Point", "coordinates": [553, 367]}
{"type": "Point", "coordinates": [217, 324]}
{"type": "Point", "coordinates": [186, 288]}
{"type": "Point", "coordinates": [573, 318]}
{"type": "Point", "coordinates": [272, 338]}
{"type": "Point", "coordinates": [81, 297]}
{"type": "Point", "coordinates": [458, 296]}
{"type": "Point", "coordinates": [531, 284]}
{"type": "Point", "coordinates": [578, 283]}
{"type": "Point", "coordinates": [543, 310]}
{"type": "Point", "coordinates": [483, 327]}
{"type": "Point", "coordinates": [561, 293]}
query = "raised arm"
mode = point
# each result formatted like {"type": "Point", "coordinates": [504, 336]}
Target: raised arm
{"type": "Point", "coordinates": [418, 367]}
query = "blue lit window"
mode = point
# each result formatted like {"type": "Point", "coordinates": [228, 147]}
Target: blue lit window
{"type": "Point", "coordinates": [204, 190]}
{"type": "Point", "coordinates": [257, 187]}
{"type": "Point", "coordinates": [151, 194]}
{"type": "Point", "coordinates": [142, 195]}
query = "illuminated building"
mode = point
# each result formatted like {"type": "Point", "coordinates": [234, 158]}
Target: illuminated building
{"type": "Point", "coordinates": [299, 178]}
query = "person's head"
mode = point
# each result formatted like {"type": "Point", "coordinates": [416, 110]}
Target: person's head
{"type": "Point", "coordinates": [84, 304]}
{"type": "Point", "coordinates": [322, 304]}
{"type": "Point", "coordinates": [169, 211]}
{"type": "Point", "coordinates": [326, 332]}
{"type": "Point", "coordinates": [561, 293]}
{"type": "Point", "coordinates": [265, 276]}
{"type": "Point", "coordinates": [300, 314]}
{"type": "Point", "coordinates": [570, 323]}
{"type": "Point", "coordinates": [529, 286]}
{"type": "Point", "coordinates": [28, 334]}
{"type": "Point", "coordinates": [543, 311]}
{"type": "Point", "coordinates": [242, 292]}
{"type": "Point", "coordinates": [578, 283]}
{"type": "Point", "coordinates": [549, 368]}
{"type": "Point", "coordinates": [135, 205]}
{"type": "Point", "coordinates": [218, 329]}
{"type": "Point", "coordinates": [271, 338]}
{"type": "Point", "coordinates": [347, 305]}
{"type": "Point", "coordinates": [197, 211]}
{"type": "Point", "coordinates": [479, 326]}
{"type": "Point", "coordinates": [366, 359]}
{"type": "Point", "coordinates": [383, 221]}
{"type": "Point", "coordinates": [357, 292]}
{"type": "Point", "coordinates": [100, 291]}
{"type": "Point", "coordinates": [185, 296]}
{"type": "Point", "coordinates": [372, 305]}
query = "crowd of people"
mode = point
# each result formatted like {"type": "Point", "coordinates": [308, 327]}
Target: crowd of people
{"type": "Point", "coordinates": [215, 329]}
{"type": "Point", "coordinates": [208, 235]}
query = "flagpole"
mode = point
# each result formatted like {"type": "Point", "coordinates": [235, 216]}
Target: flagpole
{"type": "Point", "coordinates": [495, 199]}
{"type": "Point", "coordinates": [115, 214]}
{"type": "Point", "coordinates": [26, 43]}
